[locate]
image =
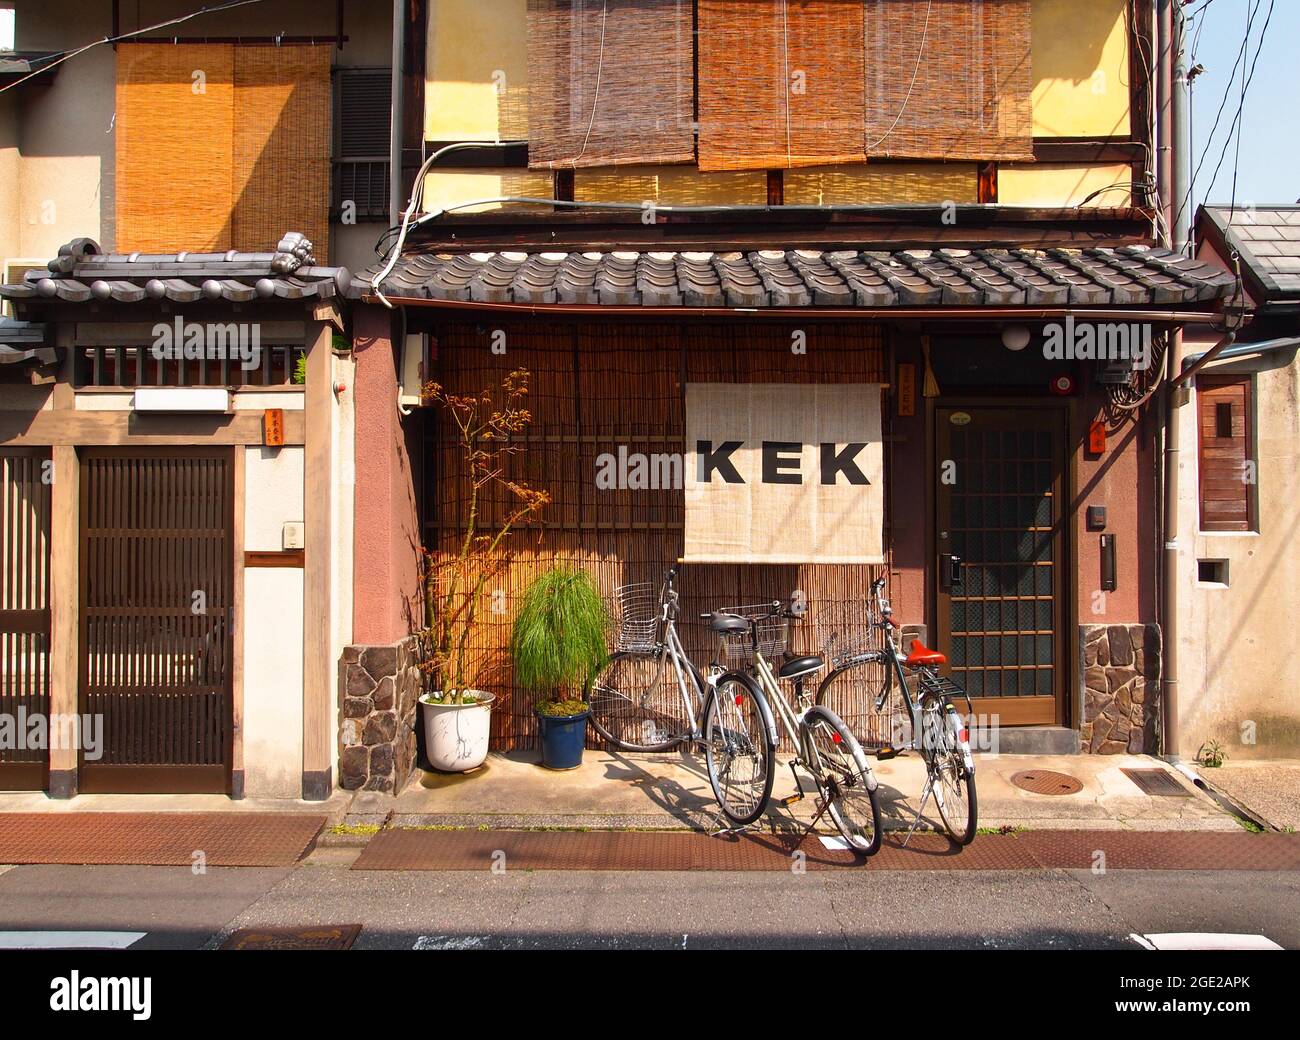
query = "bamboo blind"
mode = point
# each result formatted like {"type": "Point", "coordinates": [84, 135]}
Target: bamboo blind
{"type": "Point", "coordinates": [221, 147]}
{"type": "Point", "coordinates": [610, 82]}
{"type": "Point", "coordinates": [601, 385]}
{"type": "Point", "coordinates": [174, 165]}
{"type": "Point", "coordinates": [882, 183]}
{"type": "Point", "coordinates": [780, 84]}
{"type": "Point", "coordinates": [282, 145]}
{"type": "Point", "coordinates": [949, 79]}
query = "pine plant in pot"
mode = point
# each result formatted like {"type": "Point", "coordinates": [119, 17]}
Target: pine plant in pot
{"type": "Point", "coordinates": [559, 645]}
{"type": "Point", "coordinates": [486, 429]}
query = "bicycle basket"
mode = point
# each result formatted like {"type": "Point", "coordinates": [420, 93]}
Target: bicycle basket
{"type": "Point", "coordinates": [773, 634]}
{"type": "Point", "coordinates": [846, 628]}
{"type": "Point", "coordinates": [636, 617]}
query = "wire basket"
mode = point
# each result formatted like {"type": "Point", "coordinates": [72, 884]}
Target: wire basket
{"type": "Point", "coordinates": [773, 633]}
{"type": "Point", "coordinates": [636, 617]}
{"type": "Point", "coordinates": [846, 628]}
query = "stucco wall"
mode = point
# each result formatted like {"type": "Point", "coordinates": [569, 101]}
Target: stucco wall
{"type": "Point", "coordinates": [1237, 675]}
{"type": "Point", "coordinates": [272, 731]}
{"type": "Point", "coordinates": [387, 528]}
{"type": "Point", "coordinates": [58, 182]}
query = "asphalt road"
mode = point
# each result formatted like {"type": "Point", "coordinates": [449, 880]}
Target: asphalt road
{"type": "Point", "coordinates": [1059, 909]}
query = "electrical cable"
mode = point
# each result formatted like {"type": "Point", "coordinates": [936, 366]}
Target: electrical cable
{"type": "Point", "coordinates": [68, 55]}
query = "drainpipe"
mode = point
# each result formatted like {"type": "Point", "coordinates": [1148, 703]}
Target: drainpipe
{"type": "Point", "coordinates": [395, 198]}
{"type": "Point", "coordinates": [1182, 137]}
{"type": "Point", "coordinates": [1164, 32]}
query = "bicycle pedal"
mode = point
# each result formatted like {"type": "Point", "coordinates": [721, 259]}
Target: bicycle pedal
{"type": "Point", "coordinates": [789, 800]}
{"type": "Point", "coordinates": [885, 753]}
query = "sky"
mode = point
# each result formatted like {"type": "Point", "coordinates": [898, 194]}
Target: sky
{"type": "Point", "coordinates": [1269, 170]}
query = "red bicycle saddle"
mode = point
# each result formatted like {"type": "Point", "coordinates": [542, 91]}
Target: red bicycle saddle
{"type": "Point", "coordinates": [922, 655]}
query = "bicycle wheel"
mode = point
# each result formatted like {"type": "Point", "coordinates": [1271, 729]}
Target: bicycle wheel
{"type": "Point", "coordinates": [844, 780]}
{"type": "Point", "coordinates": [739, 747]}
{"type": "Point", "coordinates": [636, 703]}
{"type": "Point", "coordinates": [954, 784]}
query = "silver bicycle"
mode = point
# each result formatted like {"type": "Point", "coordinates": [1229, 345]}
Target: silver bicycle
{"type": "Point", "coordinates": [826, 748]}
{"type": "Point", "coordinates": [937, 730]}
{"type": "Point", "coordinates": [650, 697]}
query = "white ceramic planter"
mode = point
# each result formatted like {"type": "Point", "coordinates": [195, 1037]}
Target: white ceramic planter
{"type": "Point", "coordinates": [456, 735]}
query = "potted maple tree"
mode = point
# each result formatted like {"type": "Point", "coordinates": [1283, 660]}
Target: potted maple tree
{"type": "Point", "coordinates": [486, 430]}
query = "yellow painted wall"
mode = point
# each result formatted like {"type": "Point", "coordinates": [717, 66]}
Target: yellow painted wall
{"type": "Point", "coordinates": [1064, 184]}
{"type": "Point", "coordinates": [1081, 68]}
{"type": "Point", "coordinates": [882, 183]}
{"type": "Point", "coordinates": [446, 188]}
{"type": "Point", "coordinates": [477, 71]}
{"type": "Point", "coordinates": [477, 90]}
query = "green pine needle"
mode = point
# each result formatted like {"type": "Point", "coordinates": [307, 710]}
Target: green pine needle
{"type": "Point", "coordinates": [561, 631]}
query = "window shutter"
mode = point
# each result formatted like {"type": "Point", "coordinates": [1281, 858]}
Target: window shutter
{"type": "Point", "coordinates": [610, 82]}
{"type": "Point", "coordinates": [1224, 426]}
{"type": "Point", "coordinates": [949, 79]}
{"type": "Point", "coordinates": [173, 158]}
{"type": "Point", "coordinates": [780, 83]}
{"type": "Point", "coordinates": [362, 114]}
{"type": "Point", "coordinates": [281, 145]}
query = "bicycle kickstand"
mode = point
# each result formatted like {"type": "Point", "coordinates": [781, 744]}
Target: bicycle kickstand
{"type": "Point", "coordinates": [926, 793]}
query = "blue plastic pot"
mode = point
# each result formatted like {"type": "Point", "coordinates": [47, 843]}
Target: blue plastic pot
{"type": "Point", "coordinates": [562, 739]}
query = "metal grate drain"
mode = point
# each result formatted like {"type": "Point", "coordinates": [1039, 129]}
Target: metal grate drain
{"type": "Point", "coordinates": [1044, 781]}
{"type": "Point", "coordinates": [319, 937]}
{"type": "Point", "coordinates": [1157, 783]}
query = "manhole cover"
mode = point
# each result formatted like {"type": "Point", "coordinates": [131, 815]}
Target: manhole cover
{"type": "Point", "coordinates": [1044, 781]}
{"type": "Point", "coordinates": [1157, 782]}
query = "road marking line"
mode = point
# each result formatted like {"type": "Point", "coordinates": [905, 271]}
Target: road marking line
{"type": "Point", "coordinates": [69, 940]}
{"type": "Point", "coordinates": [1203, 941]}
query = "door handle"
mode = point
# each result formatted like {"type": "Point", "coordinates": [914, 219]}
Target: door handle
{"type": "Point", "coordinates": [949, 571]}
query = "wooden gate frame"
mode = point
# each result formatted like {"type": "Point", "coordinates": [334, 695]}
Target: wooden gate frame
{"type": "Point", "coordinates": [33, 776]}
{"type": "Point", "coordinates": [172, 778]}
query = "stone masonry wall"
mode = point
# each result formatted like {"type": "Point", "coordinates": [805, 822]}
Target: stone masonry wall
{"type": "Point", "coordinates": [379, 687]}
{"type": "Point", "coordinates": [1121, 689]}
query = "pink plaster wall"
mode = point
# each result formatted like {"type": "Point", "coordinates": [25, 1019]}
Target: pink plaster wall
{"type": "Point", "coordinates": [386, 516]}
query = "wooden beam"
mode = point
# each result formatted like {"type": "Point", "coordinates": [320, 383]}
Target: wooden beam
{"type": "Point", "coordinates": [92, 429]}
{"type": "Point", "coordinates": [319, 676]}
{"type": "Point", "coordinates": [65, 591]}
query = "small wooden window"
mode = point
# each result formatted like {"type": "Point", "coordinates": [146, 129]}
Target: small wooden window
{"type": "Point", "coordinates": [1226, 460]}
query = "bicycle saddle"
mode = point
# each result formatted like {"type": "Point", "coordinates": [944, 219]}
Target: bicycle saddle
{"type": "Point", "coordinates": [799, 666]}
{"type": "Point", "coordinates": [923, 656]}
{"type": "Point", "coordinates": [728, 623]}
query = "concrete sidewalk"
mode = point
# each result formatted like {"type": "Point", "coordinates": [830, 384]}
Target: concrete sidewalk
{"type": "Point", "coordinates": [1268, 790]}
{"type": "Point", "coordinates": [333, 807]}
{"type": "Point", "coordinates": [622, 790]}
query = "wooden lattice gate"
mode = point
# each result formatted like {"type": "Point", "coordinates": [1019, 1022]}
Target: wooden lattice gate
{"type": "Point", "coordinates": [156, 596]}
{"type": "Point", "coordinates": [24, 618]}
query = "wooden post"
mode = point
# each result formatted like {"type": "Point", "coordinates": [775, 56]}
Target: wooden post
{"type": "Point", "coordinates": [318, 672]}
{"type": "Point", "coordinates": [239, 604]}
{"type": "Point", "coordinates": [65, 590]}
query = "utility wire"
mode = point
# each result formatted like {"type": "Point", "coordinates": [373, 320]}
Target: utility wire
{"type": "Point", "coordinates": [67, 55]}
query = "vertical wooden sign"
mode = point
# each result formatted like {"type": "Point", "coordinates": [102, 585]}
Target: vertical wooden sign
{"type": "Point", "coordinates": [273, 427]}
{"type": "Point", "coordinates": [906, 389]}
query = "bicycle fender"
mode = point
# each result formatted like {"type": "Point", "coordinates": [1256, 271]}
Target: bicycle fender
{"type": "Point", "coordinates": [759, 698]}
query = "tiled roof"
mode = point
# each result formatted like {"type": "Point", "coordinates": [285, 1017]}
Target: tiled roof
{"type": "Point", "coordinates": [1268, 239]}
{"type": "Point", "coordinates": [809, 278]}
{"type": "Point", "coordinates": [24, 341]}
{"type": "Point", "coordinates": [81, 273]}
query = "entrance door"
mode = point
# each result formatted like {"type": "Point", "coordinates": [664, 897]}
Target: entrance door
{"type": "Point", "coordinates": [1001, 558]}
{"type": "Point", "coordinates": [156, 577]}
{"type": "Point", "coordinates": [24, 618]}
